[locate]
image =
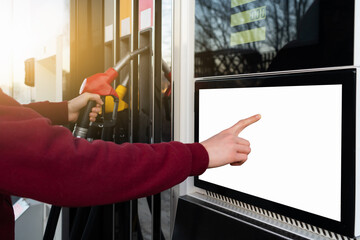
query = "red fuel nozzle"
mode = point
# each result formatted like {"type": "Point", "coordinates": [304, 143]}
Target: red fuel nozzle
{"type": "Point", "coordinates": [100, 83]}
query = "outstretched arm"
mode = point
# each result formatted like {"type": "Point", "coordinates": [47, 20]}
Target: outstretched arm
{"type": "Point", "coordinates": [47, 163]}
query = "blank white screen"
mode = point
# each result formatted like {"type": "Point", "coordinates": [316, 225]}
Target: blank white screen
{"type": "Point", "coordinates": [296, 146]}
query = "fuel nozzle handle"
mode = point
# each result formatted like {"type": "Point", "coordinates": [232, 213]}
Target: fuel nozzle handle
{"type": "Point", "coordinates": [82, 125]}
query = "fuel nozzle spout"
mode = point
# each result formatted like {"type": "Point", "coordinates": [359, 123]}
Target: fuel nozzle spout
{"type": "Point", "coordinates": [122, 63]}
{"type": "Point", "coordinates": [100, 83]}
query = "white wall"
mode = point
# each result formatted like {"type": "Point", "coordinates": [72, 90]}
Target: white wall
{"type": "Point", "coordinates": [49, 71]}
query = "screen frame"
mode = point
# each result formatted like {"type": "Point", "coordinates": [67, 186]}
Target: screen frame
{"type": "Point", "coordinates": [347, 78]}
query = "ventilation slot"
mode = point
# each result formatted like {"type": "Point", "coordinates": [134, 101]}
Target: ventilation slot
{"type": "Point", "coordinates": [284, 219]}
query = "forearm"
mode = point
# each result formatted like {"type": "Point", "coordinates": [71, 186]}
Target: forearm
{"type": "Point", "coordinates": [59, 169]}
{"type": "Point", "coordinates": [57, 112]}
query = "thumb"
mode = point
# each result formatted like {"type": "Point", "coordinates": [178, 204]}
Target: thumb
{"type": "Point", "coordinates": [242, 124]}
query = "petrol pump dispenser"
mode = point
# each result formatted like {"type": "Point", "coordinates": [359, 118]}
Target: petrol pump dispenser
{"type": "Point", "coordinates": [99, 83]}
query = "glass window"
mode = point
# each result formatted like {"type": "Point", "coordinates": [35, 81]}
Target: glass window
{"type": "Point", "coordinates": [245, 36]}
{"type": "Point", "coordinates": [36, 31]}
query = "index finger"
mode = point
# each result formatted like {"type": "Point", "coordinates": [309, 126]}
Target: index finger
{"type": "Point", "coordinates": [242, 124]}
{"type": "Point", "coordinates": [97, 98]}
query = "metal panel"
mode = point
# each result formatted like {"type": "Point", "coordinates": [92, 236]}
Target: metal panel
{"type": "Point", "coordinates": [357, 157]}
{"type": "Point", "coordinates": [357, 35]}
{"type": "Point", "coordinates": [145, 133]}
{"type": "Point", "coordinates": [86, 43]}
{"type": "Point", "coordinates": [86, 59]}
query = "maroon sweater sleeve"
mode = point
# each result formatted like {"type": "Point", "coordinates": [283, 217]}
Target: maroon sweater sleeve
{"type": "Point", "coordinates": [57, 112]}
{"type": "Point", "coordinates": [47, 163]}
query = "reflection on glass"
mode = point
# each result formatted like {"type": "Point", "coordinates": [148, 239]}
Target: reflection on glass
{"type": "Point", "coordinates": [166, 45]}
{"type": "Point", "coordinates": [35, 30]}
{"type": "Point", "coordinates": [166, 40]}
{"type": "Point", "coordinates": [243, 36]}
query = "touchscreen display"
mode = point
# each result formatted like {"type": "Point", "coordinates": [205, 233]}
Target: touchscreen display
{"type": "Point", "coordinates": [296, 146]}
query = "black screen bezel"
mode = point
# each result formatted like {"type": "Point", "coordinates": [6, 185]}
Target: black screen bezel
{"type": "Point", "coordinates": [347, 78]}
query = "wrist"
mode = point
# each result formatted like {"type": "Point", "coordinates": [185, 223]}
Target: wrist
{"type": "Point", "coordinates": [200, 158]}
{"type": "Point", "coordinates": [72, 114]}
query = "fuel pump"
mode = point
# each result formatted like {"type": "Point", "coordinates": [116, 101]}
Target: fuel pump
{"type": "Point", "coordinates": [98, 84]}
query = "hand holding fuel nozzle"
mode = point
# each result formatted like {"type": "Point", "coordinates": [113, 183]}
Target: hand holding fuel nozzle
{"type": "Point", "coordinates": [100, 84]}
{"type": "Point", "coordinates": [78, 103]}
{"type": "Point", "coordinates": [96, 84]}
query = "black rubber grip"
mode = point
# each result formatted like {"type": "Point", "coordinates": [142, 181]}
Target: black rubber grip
{"type": "Point", "coordinates": [83, 120]}
{"type": "Point", "coordinates": [52, 223]}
